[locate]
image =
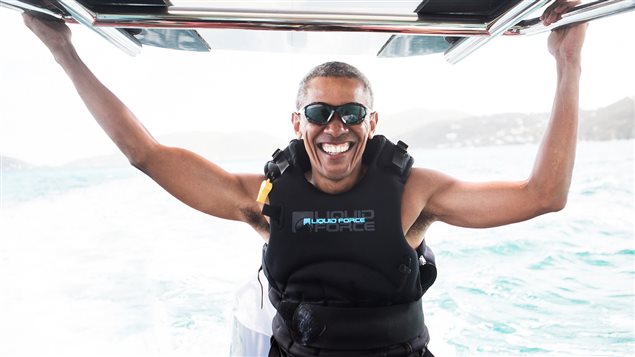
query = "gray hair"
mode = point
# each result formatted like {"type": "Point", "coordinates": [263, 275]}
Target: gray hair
{"type": "Point", "coordinates": [333, 69]}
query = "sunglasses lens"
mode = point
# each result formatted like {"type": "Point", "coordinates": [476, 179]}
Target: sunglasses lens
{"type": "Point", "coordinates": [318, 113]}
{"type": "Point", "coordinates": [352, 113]}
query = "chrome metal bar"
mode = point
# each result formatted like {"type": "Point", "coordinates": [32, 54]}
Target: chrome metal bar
{"type": "Point", "coordinates": [284, 15]}
{"type": "Point", "coordinates": [10, 7]}
{"type": "Point", "coordinates": [24, 6]}
{"type": "Point", "coordinates": [119, 38]}
{"type": "Point", "coordinates": [587, 12]}
{"type": "Point", "coordinates": [291, 21]}
{"type": "Point", "coordinates": [465, 46]}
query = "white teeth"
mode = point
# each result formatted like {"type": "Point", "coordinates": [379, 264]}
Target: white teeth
{"type": "Point", "coordinates": [335, 149]}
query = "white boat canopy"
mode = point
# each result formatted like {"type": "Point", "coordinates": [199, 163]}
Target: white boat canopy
{"type": "Point", "coordinates": [383, 28]}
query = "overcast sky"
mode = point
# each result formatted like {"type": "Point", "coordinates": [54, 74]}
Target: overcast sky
{"type": "Point", "coordinates": [43, 121]}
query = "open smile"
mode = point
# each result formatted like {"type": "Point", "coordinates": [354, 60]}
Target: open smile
{"type": "Point", "coordinates": [335, 149]}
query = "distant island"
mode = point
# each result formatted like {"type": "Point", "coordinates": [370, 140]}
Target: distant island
{"type": "Point", "coordinates": [612, 122]}
{"type": "Point", "coordinates": [10, 163]}
{"type": "Point", "coordinates": [418, 128]}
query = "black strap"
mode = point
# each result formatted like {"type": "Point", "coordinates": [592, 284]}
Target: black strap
{"type": "Point", "coordinates": [275, 351]}
{"type": "Point", "coordinates": [273, 285]}
{"type": "Point", "coordinates": [262, 292]}
{"type": "Point", "coordinates": [427, 266]}
{"type": "Point", "coordinates": [400, 156]}
{"type": "Point", "coordinates": [272, 211]}
{"type": "Point", "coordinates": [292, 155]}
{"type": "Point", "coordinates": [277, 166]}
{"type": "Point", "coordinates": [351, 328]}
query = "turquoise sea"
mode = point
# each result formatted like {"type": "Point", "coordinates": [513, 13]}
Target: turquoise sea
{"type": "Point", "coordinates": [103, 262]}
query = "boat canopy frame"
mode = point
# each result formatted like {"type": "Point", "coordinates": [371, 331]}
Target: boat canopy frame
{"type": "Point", "coordinates": [128, 24]}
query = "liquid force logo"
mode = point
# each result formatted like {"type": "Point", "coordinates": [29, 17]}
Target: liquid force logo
{"type": "Point", "coordinates": [333, 221]}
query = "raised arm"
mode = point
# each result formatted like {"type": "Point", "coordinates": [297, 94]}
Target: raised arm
{"type": "Point", "coordinates": [189, 177]}
{"type": "Point", "coordinates": [498, 203]}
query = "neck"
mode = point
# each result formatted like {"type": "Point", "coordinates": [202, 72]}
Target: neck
{"type": "Point", "coordinates": [336, 186]}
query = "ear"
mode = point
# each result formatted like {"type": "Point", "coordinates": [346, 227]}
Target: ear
{"type": "Point", "coordinates": [372, 122]}
{"type": "Point", "coordinates": [296, 121]}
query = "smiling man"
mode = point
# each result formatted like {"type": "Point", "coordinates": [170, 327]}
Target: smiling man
{"type": "Point", "coordinates": [342, 276]}
{"type": "Point", "coordinates": [341, 210]}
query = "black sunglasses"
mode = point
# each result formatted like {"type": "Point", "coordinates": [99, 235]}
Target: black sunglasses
{"type": "Point", "coordinates": [321, 113]}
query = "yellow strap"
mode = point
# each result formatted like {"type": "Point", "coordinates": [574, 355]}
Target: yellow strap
{"type": "Point", "coordinates": [265, 188]}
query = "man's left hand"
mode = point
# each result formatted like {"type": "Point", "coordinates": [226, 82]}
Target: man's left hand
{"type": "Point", "coordinates": [565, 44]}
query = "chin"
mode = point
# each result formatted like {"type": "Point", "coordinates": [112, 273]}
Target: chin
{"type": "Point", "coordinates": [336, 175]}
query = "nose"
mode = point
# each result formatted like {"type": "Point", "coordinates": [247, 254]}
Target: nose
{"type": "Point", "coordinates": [336, 126]}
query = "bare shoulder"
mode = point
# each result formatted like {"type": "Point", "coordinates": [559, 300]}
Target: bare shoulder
{"type": "Point", "coordinates": [422, 184]}
{"type": "Point", "coordinates": [250, 182]}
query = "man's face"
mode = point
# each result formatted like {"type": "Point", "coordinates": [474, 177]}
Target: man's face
{"type": "Point", "coordinates": [335, 149]}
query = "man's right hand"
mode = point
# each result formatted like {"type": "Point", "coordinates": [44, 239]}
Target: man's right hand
{"type": "Point", "coordinates": [51, 31]}
{"type": "Point", "coordinates": [192, 179]}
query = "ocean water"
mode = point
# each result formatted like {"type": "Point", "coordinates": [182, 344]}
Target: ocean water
{"type": "Point", "coordinates": [103, 262]}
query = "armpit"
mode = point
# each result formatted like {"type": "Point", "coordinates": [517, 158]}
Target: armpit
{"type": "Point", "coordinates": [415, 234]}
{"type": "Point", "coordinates": [256, 220]}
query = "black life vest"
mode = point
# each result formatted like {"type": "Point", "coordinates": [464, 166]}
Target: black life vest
{"type": "Point", "coordinates": [342, 277]}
